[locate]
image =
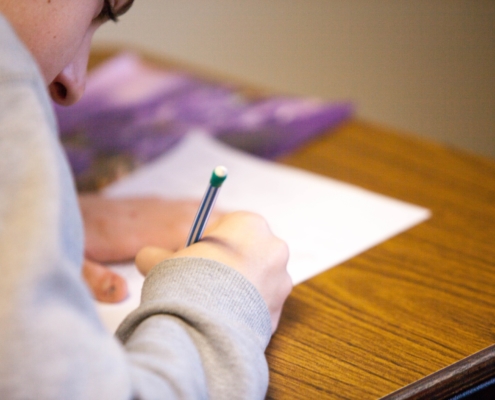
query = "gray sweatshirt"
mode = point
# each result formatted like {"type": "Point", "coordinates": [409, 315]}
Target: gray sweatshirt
{"type": "Point", "coordinates": [201, 329]}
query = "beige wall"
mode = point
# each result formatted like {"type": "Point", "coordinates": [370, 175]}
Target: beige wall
{"type": "Point", "coordinates": [425, 66]}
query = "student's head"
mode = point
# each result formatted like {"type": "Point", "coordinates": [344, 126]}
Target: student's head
{"type": "Point", "coordinates": [58, 33]}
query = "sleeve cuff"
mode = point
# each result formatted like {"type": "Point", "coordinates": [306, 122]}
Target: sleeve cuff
{"type": "Point", "coordinates": [204, 287]}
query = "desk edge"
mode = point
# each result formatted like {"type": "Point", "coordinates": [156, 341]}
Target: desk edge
{"type": "Point", "coordinates": [452, 380]}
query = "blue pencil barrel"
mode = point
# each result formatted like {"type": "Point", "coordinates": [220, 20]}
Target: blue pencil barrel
{"type": "Point", "coordinates": [202, 215]}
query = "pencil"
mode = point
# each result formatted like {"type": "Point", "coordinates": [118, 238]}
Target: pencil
{"type": "Point", "coordinates": [217, 178]}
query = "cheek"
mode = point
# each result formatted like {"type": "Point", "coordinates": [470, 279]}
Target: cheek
{"type": "Point", "coordinates": [56, 47]}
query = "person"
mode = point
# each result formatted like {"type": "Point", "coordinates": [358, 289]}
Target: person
{"type": "Point", "coordinates": [207, 312]}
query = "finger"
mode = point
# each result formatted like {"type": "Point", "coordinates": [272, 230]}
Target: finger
{"type": "Point", "coordinates": [106, 285]}
{"type": "Point", "coordinates": [149, 256]}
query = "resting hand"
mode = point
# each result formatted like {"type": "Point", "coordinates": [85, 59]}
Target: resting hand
{"type": "Point", "coordinates": [116, 229]}
{"type": "Point", "coordinates": [106, 285]}
{"type": "Point", "coordinates": [244, 242]}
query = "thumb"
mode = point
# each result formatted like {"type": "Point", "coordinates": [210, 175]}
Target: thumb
{"type": "Point", "coordinates": [106, 285]}
{"type": "Point", "coordinates": [149, 256]}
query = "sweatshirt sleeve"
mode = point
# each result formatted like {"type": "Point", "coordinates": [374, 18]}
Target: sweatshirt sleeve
{"type": "Point", "coordinates": [216, 327]}
{"type": "Point", "coordinates": [200, 332]}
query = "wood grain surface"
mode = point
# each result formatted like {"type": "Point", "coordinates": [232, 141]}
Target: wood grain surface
{"type": "Point", "coordinates": [471, 372]}
{"type": "Point", "coordinates": [408, 307]}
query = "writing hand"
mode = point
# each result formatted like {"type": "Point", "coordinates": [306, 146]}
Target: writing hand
{"type": "Point", "coordinates": [244, 242]}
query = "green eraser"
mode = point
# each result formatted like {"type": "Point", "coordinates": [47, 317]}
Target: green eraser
{"type": "Point", "coordinates": [218, 176]}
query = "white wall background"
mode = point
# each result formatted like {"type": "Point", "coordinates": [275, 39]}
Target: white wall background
{"type": "Point", "coordinates": [423, 66]}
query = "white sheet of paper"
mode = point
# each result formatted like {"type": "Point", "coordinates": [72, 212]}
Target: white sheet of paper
{"type": "Point", "coordinates": [324, 221]}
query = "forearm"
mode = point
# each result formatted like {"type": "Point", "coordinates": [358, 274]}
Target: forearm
{"type": "Point", "coordinates": [203, 329]}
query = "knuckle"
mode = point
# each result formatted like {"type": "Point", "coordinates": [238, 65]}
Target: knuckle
{"type": "Point", "coordinates": [251, 219]}
{"type": "Point", "coordinates": [282, 249]}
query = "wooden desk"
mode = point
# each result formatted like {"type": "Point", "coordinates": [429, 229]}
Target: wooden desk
{"type": "Point", "coordinates": [408, 307]}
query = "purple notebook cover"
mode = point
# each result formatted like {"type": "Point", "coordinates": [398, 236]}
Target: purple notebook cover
{"type": "Point", "coordinates": [132, 113]}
